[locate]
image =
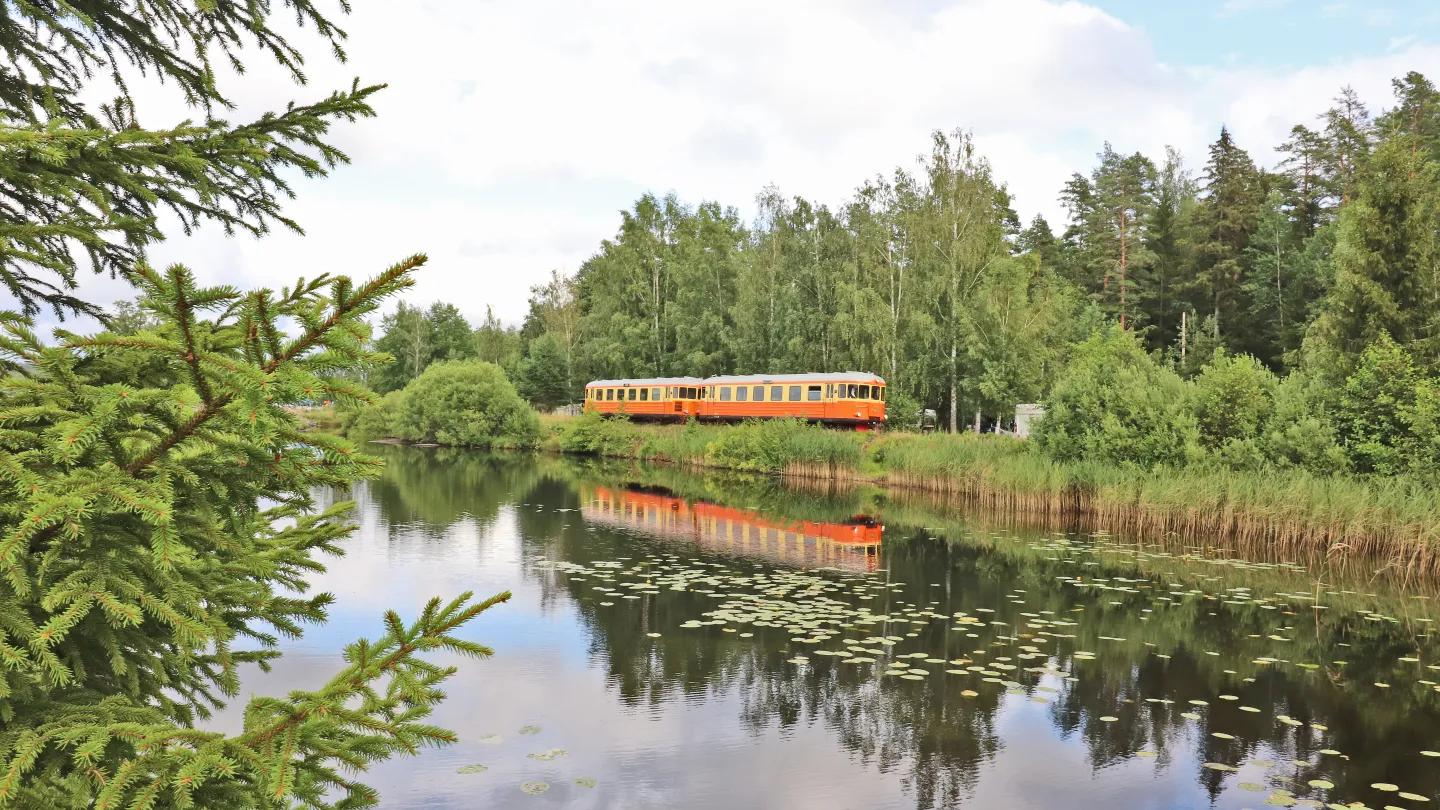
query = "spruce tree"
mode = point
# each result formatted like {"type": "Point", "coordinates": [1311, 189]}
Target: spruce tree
{"type": "Point", "coordinates": [83, 186]}
{"type": "Point", "coordinates": [1226, 218]}
{"type": "Point", "coordinates": [157, 506]}
{"type": "Point", "coordinates": [145, 530]}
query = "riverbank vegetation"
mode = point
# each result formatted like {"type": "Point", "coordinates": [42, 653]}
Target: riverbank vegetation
{"type": "Point", "coordinates": [1395, 519]}
{"type": "Point", "coordinates": [462, 403]}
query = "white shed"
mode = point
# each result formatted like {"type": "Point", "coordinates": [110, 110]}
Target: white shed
{"type": "Point", "coordinates": [1025, 415]}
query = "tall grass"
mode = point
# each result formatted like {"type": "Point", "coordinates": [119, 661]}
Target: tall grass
{"type": "Point", "coordinates": [1279, 512]}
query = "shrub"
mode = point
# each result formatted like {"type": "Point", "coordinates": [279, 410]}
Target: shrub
{"type": "Point", "coordinates": [1115, 404]}
{"type": "Point", "coordinates": [466, 403]}
{"type": "Point", "coordinates": [1300, 431]}
{"type": "Point", "coordinates": [378, 421]}
{"type": "Point", "coordinates": [1232, 399]}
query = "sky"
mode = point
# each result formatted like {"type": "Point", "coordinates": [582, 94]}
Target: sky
{"type": "Point", "coordinates": [513, 133]}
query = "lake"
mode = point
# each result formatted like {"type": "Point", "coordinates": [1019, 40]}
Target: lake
{"type": "Point", "coordinates": [678, 640]}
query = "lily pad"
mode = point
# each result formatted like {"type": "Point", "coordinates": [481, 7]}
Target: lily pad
{"type": "Point", "coordinates": [530, 730]}
{"type": "Point", "coordinates": [1322, 784]}
{"type": "Point", "coordinates": [491, 739]}
{"type": "Point", "coordinates": [1385, 786]}
{"type": "Point", "coordinates": [584, 781]}
{"type": "Point", "coordinates": [472, 769]}
{"type": "Point", "coordinates": [534, 786]}
{"type": "Point", "coordinates": [1108, 719]}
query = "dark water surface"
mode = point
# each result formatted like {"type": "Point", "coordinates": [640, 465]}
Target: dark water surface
{"type": "Point", "coordinates": [723, 643]}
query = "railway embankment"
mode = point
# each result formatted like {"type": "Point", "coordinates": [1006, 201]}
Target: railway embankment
{"type": "Point", "coordinates": [1394, 521]}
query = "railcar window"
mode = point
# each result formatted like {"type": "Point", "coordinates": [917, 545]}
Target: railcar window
{"type": "Point", "coordinates": [645, 395]}
{"type": "Point", "coordinates": [654, 393]}
{"type": "Point", "coordinates": [852, 391]}
{"type": "Point", "coordinates": [724, 393]}
{"type": "Point", "coordinates": [759, 393]}
{"type": "Point", "coordinates": [864, 392]}
{"type": "Point", "coordinates": [880, 392]}
{"type": "Point", "coordinates": [693, 393]}
{"type": "Point", "coordinates": [794, 393]}
{"type": "Point", "coordinates": [631, 395]}
{"type": "Point", "coordinates": [609, 393]}
{"type": "Point", "coordinates": [741, 393]}
{"type": "Point", "coordinates": [813, 394]}
{"type": "Point", "coordinates": [838, 391]}
{"type": "Point", "coordinates": [777, 393]}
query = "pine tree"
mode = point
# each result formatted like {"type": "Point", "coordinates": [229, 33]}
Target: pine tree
{"type": "Point", "coordinates": [1304, 158]}
{"type": "Point", "coordinates": [146, 530]}
{"type": "Point", "coordinates": [1416, 116]}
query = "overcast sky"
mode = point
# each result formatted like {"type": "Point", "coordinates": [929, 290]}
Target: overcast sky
{"type": "Point", "coordinates": [513, 133]}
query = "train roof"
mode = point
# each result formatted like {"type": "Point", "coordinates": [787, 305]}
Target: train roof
{"type": "Point", "coordinates": [645, 382]}
{"type": "Point", "coordinates": [816, 376]}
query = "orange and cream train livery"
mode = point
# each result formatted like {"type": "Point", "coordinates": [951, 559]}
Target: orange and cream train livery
{"type": "Point", "coordinates": [849, 398]}
{"type": "Point", "coordinates": [853, 545]}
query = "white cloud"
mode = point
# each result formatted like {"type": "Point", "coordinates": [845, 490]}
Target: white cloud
{"type": "Point", "coordinates": [513, 133]}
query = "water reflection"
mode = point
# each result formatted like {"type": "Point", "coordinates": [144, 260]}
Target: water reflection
{"type": "Point", "coordinates": [1059, 670]}
{"type": "Point", "coordinates": [853, 545]}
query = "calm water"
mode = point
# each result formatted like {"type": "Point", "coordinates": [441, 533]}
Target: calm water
{"type": "Point", "coordinates": [727, 643]}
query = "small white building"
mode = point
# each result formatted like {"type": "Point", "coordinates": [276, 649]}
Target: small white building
{"type": "Point", "coordinates": [1025, 415]}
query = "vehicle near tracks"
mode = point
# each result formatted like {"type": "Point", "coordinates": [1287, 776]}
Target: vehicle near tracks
{"type": "Point", "coordinates": [846, 398]}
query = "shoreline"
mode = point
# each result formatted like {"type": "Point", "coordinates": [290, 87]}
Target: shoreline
{"type": "Point", "coordinates": [1290, 513]}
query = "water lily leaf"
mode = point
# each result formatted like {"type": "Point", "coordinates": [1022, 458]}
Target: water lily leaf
{"type": "Point", "coordinates": [530, 730]}
{"type": "Point", "coordinates": [532, 787]}
{"type": "Point", "coordinates": [1385, 786]}
{"type": "Point", "coordinates": [584, 781]}
{"type": "Point", "coordinates": [1108, 719]}
{"type": "Point", "coordinates": [472, 769]}
{"type": "Point", "coordinates": [1322, 784]}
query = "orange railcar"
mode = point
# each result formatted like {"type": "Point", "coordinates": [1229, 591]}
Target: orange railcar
{"type": "Point", "coordinates": [839, 398]}
{"type": "Point", "coordinates": [659, 399]}
{"type": "Point", "coordinates": [853, 545]}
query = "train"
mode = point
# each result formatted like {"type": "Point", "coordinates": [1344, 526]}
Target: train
{"type": "Point", "coordinates": [843, 399]}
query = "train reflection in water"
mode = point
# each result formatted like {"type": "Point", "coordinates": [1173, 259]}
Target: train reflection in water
{"type": "Point", "coordinates": [853, 545]}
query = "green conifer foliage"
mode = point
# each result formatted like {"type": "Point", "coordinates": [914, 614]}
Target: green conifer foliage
{"type": "Point", "coordinates": [144, 531]}
{"type": "Point", "coordinates": [85, 185]}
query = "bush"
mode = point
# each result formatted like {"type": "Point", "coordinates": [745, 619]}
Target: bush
{"type": "Point", "coordinates": [592, 433]}
{"type": "Point", "coordinates": [466, 403]}
{"type": "Point", "coordinates": [1232, 399]}
{"type": "Point", "coordinates": [1375, 409]}
{"type": "Point", "coordinates": [1300, 432]}
{"type": "Point", "coordinates": [378, 421]}
{"type": "Point", "coordinates": [1115, 404]}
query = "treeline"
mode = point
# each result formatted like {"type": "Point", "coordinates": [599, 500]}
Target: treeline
{"type": "Point", "coordinates": [927, 277]}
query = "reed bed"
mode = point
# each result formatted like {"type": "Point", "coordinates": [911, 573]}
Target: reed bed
{"type": "Point", "coordinates": [1290, 513]}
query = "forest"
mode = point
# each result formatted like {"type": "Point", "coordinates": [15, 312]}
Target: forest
{"type": "Point", "coordinates": [1292, 310]}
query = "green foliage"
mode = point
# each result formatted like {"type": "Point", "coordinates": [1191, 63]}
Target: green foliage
{"type": "Point", "coordinates": [1385, 412]}
{"type": "Point", "coordinates": [86, 184]}
{"type": "Point", "coordinates": [378, 421]}
{"type": "Point", "coordinates": [147, 532]}
{"type": "Point", "coordinates": [416, 338]}
{"type": "Point", "coordinates": [1232, 399]}
{"type": "Point", "coordinates": [465, 403]}
{"type": "Point", "coordinates": [772, 445]}
{"type": "Point", "coordinates": [545, 374]}
{"type": "Point", "coordinates": [1301, 431]}
{"type": "Point", "coordinates": [1115, 404]}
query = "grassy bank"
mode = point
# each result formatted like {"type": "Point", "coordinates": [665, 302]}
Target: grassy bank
{"type": "Point", "coordinates": [1286, 511]}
